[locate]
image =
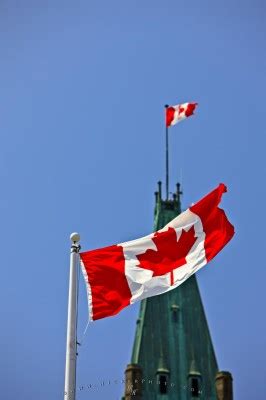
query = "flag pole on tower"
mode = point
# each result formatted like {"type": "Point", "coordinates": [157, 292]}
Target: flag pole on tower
{"type": "Point", "coordinates": [173, 115]}
{"type": "Point", "coordinates": [166, 154]}
{"type": "Point", "coordinates": [71, 342]}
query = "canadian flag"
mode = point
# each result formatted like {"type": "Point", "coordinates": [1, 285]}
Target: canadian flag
{"type": "Point", "coordinates": [117, 276]}
{"type": "Point", "coordinates": [175, 114]}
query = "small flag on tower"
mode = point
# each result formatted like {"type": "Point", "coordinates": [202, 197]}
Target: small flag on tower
{"type": "Point", "coordinates": [119, 275]}
{"type": "Point", "coordinates": [175, 114]}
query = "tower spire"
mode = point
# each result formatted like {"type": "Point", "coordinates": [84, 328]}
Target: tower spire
{"type": "Point", "coordinates": [178, 192]}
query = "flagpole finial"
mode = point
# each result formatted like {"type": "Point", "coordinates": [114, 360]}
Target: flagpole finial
{"type": "Point", "coordinates": [75, 237]}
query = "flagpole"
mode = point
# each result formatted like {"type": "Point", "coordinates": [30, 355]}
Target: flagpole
{"type": "Point", "coordinates": [71, 342]}
{"type": "Point", "coordinates": [166, 156]}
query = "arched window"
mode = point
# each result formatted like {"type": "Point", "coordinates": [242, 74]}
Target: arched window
{"type": "Point", "coordinates": [194, 382]}
{"type": "Point", "coordinates": [162, 375]}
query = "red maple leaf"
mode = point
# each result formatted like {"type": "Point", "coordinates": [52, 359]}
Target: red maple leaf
{"type": "Point", "coordinates": [181, 109]}
{"type": "Point", "coordinates": [170, 253]}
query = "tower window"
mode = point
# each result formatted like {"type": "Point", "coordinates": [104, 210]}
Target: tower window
{"type": "Point", "coordinates": [194, 387]}
{"type": "Point", "coordinates": [163, 384]}
{"type": "Point", "coordinates": [174, 309]}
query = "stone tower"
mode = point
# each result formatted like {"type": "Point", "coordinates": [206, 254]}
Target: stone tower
{"type": "Point", "coordinates": [173, 356]}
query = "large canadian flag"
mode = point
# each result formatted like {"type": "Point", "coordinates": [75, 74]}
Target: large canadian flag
{"type": "Point", "coordinates": [117, 276]}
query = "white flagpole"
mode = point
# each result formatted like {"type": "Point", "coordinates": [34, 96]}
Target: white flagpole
{"type": "Point", "coordinates": [71, 342]}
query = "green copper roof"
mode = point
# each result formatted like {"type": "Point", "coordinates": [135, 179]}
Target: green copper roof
{"type": "Point", "coordinates": [172, 337]}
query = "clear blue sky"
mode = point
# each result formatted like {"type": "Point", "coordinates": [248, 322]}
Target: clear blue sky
{"type": "Point", "coordinates": [82, 90]}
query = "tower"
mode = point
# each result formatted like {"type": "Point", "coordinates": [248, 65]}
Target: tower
{"type": "Point", "coordinates": [173, 356]}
